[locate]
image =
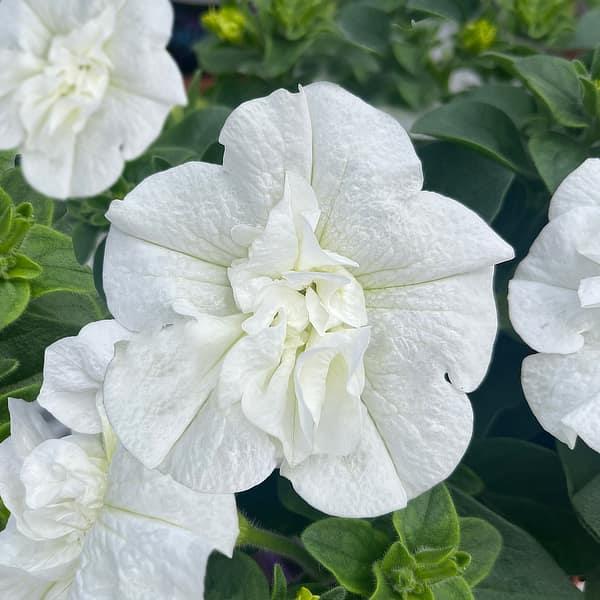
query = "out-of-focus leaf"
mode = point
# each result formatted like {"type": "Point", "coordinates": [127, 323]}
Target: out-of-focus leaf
{"type": "Point", "coordinates": [555, 156]}
{"type": "Point", "coordinates": [237, 578]}
{"type": "Point", "coordinates": [480, 126]}
{"type": "Point", "coordinates": [467, 176]}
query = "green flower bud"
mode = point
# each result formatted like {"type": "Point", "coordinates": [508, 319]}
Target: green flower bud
{"type": "Point", "coordinates": [227, 23]}
{"type": "Point", "coordinates": [543, 18]}
{"type": "Point", "coordinates": [297, 18]}
{"type": "Point", "coordinates": [306, 594]}
{"type": "Point", "coordinates": [478, 36]}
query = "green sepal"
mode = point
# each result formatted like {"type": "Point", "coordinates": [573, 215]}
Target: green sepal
{"type": "Point", "coordinates": [23, 268]}
{"type": "Point", "coordinates": [279, 589]}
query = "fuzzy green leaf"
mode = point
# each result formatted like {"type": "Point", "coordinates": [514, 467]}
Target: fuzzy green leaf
{"type": "Point", "coordinates": [237, 578]}
{"type": "Point", "coordinates": [348, 548]}
{"type": "Point", "coordinates": [483, 543]}
{"type": "Point", "coordinates": [429, 521]}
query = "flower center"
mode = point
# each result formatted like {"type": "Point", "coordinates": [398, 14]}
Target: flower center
{"type": "Point", "coordinates": [65, 482]}
{"type": "Point", "coordinates": [70, 86]}
{"type": "Point", "coordinates": [307, 316]}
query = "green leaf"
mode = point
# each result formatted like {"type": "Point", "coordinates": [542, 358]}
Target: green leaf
{"type": "Point", "coordinates": [14, 297]}
{"type": "Point", "coordinates": [587, 32]}
{"type": "Point", "coordinates": [479, 126]}
{"type": "Point", "coordinates": [457, 10]}
{"type": "Point", "coordinates": [237, 578]}
{"type": "Point", "coordinates": [555, 83]}
{"type": "Point", "coordinates": [61, 271]}
{"type": "Point", "coordinates": [20, 191]}
{"type": "Point", "coordinates": [452, 589]}
{"type": "Point", "coordinates": [592, 585]}
{"type": "Point", "coordinates": [582, 469]}
{"type": "Point", "coordinates": [484, 544]}
{"type": "Point", "coordinates": [196, 132]}
{"type": "Point", "coordinates": [466, 480]}
{"type": "Point", "coordinates": [514, 101]}
{"type": "Point", "coordinates": [279, 590]}
{"type": "Point", "coordinates": [84, 238]}
{"type": "Point", "coordinates": [7, 366]}
{"type": "Point", "coordinates": [429, 521]}
{"type": "Point", "coordinates": [533, 495]}
{"type": "Point", "coordinates": [467, 176]}
{"type": "Point", "coordinates": [524, 570]}
{"type": "Point", "coordinates": [337, 593]}
{"type": "Point", "coordinates": [383, 590]}
{"type": "Point", "coordinates": [24, 268]}
{"type": "Point", "coordinates": [365, 26]}
{"type": "Point", "coordinates": [348, 548]}
{"type": "Point", "coordinates": [294, 503]}
{"type": "Point", "coordinates": [48, 318]}
{"type": "Point", "coordinates": [555, 156]}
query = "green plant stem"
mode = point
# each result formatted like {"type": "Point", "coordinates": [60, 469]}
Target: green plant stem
{"type": "Point", "coordinates": [278, 544]}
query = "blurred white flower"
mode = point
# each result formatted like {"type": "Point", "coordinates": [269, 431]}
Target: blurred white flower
{"type": "Point", "coordinates": [87, 519]}
{"type": "Point", "coordinates": [554, 302]}
{"type": "Point", "coordinates": [84, 86]}
{"type": "Point", "coordinates": [319, 312]}
{"type": "Point", "coordinates": [461, 80]}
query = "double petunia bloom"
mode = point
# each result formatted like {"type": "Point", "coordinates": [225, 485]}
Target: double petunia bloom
{"type": "Point", "coordinates": [88, 521]}
{"type": "Point", "coordinates": [84, 86]}
{"type": "Point", "coordinates": [305, 306]}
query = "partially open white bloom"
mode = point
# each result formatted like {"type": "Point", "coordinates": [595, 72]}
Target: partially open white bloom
{"type": "Point", "coordinates": [84, 86]}
{"type": "Point", "coordinates": [554, 303]}
{"type": "Point", "coordinates": [304, 306]}
{"type": "Point", "coordinates": [88, 521]}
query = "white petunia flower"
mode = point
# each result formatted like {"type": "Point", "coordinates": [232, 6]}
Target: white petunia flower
{"type": "Point", "coordinates": [319, 312]}
{"type": "Point", "coordinates": [88, 521]}
{"type": "Point", "coordinates": [554, 302]}
{"type": "Point", "coordinates": [84, 86]}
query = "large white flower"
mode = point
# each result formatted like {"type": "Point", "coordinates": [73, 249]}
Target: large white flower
{"type": "Point", "coordinates": [84, 86]}
{"type": "Point", "coordinates": [305, 306]}
{"type": "Point", "coordinates": [554, 303]}
{"type": "Point", "coordinates": [88, 521]}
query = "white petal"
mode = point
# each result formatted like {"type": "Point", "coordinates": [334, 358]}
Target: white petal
{"type": "Point", "coordinates": [146, 72]}
{"type": "Point", "coordinates": [139, 120]}
{"type": "Point", "coordinates": [140, 19]}
{"type": "Point", "coordinates": [191, 209]}
{"type": "Point", "coordinates": [221, 452]}
{"type": "Point", "coordinates": [49, 559]}
{"type": "Point", "coordinates": [16, 584]}
{"type": "Point", "coordinates": [420, 335]}
{"type": "Point", "coordinates": [29, 427]}
{"type": "Point", "coordinates": [158, 381]}
{"type": "Point", "coordinates": [580, 189]}
{"type": "Point", "coordinates": [264, 139]}
{"type": "Point", "coordinates": [11, 130]}
{"type": "Point", "coordinates": [61, 18]}
{"type": "Point", "coordinates": [544, 306]}
{"type": "Point", "coordinates": [143, 280]}
{"type": "Point", "coordinates": [361, 155]}
{"type": "Point", "coordinates": [363, 484]}
{"type": "Point", "coordinates": [129, 557]}
{"type": "Point", "coordinates": [74, 369]}
{"type": "Point", "coordinates": [426, 237]}
{"type": "Point", "coordinates": [135, 489]}
{"type": "Point", "coordinates": [12, 491]}
{"type": "Point", "coordinates": [21, 28]}
{"type": "Point", "coordinates": [563, 393]}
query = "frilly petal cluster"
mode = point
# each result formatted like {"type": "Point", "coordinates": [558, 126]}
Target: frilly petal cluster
{"type": "Point", "coordinates": [84, 86]}
{"type": "Point", "coordinates": [303, 306]}
{"type": "Point", "coordinates": [88, 521]}
{"type": "Point", "coordinates": [554, 302]}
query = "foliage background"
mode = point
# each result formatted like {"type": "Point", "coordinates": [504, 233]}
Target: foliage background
{"type": "Point", "coordinates": [501, 147]}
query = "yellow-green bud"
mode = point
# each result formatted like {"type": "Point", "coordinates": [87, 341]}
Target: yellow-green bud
{"type": "Point", "coordinates": [596, 82]}
{"type": "Point", "coordinates": [477, 36]}
{"type": "Point", "coordinates": [306, 594]}
{"type": "Point", "coordinates": [227, 23]}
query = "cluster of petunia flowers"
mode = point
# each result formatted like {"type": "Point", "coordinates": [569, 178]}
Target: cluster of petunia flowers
{"type": "Point", "coordinates": [304, 306]}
